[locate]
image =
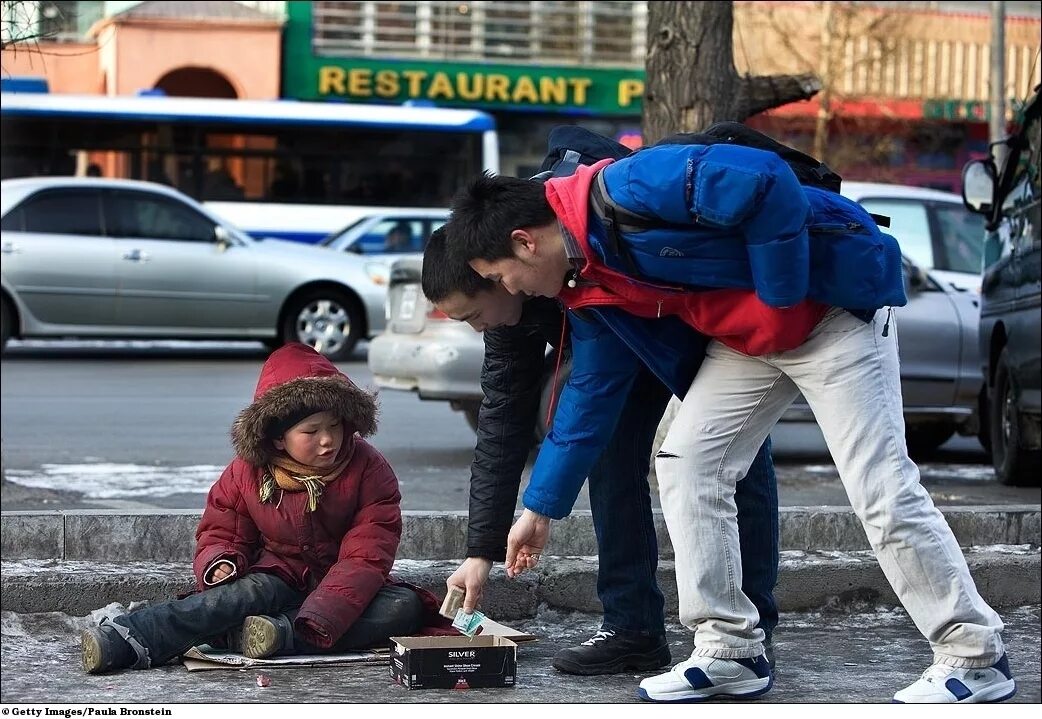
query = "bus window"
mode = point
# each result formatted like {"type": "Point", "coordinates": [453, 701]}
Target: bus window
{"type": "Point", "coordinates": [296, 170]}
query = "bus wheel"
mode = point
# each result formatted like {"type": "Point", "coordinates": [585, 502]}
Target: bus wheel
{"type": "Point", "coordinates": [327, 320]}
{"type": "Point", "coordinates": [1014, 464]}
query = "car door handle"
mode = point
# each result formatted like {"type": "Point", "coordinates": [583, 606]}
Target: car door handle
{"type": "Point", "coordinates": [136, 256]}
{"type": "Point", "coordinates": [10, 249]}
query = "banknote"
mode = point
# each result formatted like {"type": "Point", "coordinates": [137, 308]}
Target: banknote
{"type": "Point", "coordinates": [468, 623]}
{"type": "Point", "coordinates": [453, 601]}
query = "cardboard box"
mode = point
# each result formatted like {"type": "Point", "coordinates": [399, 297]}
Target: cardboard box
{"type": "Point", "coordinates": [453, 662]}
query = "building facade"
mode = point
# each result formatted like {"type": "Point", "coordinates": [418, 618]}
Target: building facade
{"type": "Point", "coordinates": [202, 49]}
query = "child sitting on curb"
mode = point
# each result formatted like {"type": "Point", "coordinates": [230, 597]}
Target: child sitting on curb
{"type": "Point", "coordinates": [295, 546]}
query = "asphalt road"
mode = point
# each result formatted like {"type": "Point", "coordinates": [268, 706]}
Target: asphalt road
{"type": "Point", "coordinates": [136, 424]}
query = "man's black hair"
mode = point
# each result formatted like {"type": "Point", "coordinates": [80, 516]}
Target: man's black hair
{"type": "Point", "coordinates": [485, 212]}
{"type": "Point", "coordinates": [444, 273]}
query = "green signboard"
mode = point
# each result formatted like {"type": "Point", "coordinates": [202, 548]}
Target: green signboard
{"type": "Point", "coordinates": [475, 85]}
{"type": "Point", "coordinates": [956, 110]}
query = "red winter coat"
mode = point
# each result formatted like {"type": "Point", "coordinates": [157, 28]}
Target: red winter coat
{"type": "Point", "coordinates": [341, 553]}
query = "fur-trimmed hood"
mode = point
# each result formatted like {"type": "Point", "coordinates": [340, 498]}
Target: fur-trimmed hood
{"type": "Point", "coordinates": [296, 378]}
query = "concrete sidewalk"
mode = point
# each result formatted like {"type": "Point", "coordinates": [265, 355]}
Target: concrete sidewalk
{"type": "Point", "coordinates": [821, 657]}
{"type": "Point", "coordinates": [77, 561]}
{"type": "Point", "coordinates": [841, 639]}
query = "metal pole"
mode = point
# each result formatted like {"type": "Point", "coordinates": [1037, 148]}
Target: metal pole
{"type": "Point", "coordinates": [997, 120]}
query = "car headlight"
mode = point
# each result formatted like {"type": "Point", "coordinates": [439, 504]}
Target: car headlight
{"type": "Point", "coordinates": [378, 272]}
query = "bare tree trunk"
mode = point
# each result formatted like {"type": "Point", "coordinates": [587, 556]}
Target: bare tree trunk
{"type": "Point", "coordinates": [825, 72]}
{"type": "Point", "coordinates": [692, 82]}
{"type": "Point", "coordinates": [691, 78]}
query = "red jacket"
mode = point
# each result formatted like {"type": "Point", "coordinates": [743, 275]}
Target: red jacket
{"type": "Point", "coordinates": [737, 318]}
{"type": "Point", "coordinates": [341, 553]}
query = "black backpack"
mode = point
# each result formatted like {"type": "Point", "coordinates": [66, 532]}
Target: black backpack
{"type": "Point", "coordinates": [570, 146]}
{"type": "Point", "coordinates": [592, 147]}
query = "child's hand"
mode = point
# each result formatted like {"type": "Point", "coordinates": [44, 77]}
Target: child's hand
{"type": "Point", "coordinates": [221, 571]}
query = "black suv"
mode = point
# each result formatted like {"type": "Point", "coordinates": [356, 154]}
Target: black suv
{"type": "Point", "coordinates": [1011, 298]}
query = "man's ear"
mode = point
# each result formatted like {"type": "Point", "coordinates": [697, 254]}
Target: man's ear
{"type": "Point", "coordinates": [524, 242]}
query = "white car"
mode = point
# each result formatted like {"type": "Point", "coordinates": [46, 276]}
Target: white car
{"type": "Point", "coordinates": [935, 230]}
{"type": "Point", "coordinates": [388, 233]}
{"type": "Point", "coordinates": [424, 352]}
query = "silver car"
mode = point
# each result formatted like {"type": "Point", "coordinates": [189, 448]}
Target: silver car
{"type": "Point", "coordinates": [439, 359]}
{"type": "Point", "coordinates": [101, 258]}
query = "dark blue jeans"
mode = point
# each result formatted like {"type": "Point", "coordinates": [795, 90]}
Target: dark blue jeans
{"type": "Point", "coordinates": [161, 632]}
{"type": "Point", "coordinates": [620, 502]}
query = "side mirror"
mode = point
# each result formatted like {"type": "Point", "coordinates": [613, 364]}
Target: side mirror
{"type": "Point", "coordinates": [915, 278]}
{"type": "Point", "coordinates": [978, 186]}
{"type": "Point", "coordinates": [222, 237]}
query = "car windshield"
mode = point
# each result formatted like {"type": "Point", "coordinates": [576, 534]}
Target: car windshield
{"type": "Point", "coordinates": [334, 236]}
{"type": "Point", "coordinates": [962, 239]}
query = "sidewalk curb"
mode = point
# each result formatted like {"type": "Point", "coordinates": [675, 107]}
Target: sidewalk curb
{"type": "Point", "coordinates": [1005, 576]}
{"type": "Point", "coordinates": [169, 535]}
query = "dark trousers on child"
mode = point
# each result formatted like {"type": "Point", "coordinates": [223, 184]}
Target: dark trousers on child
{"type": "Point", "coordinates": [161, 632]}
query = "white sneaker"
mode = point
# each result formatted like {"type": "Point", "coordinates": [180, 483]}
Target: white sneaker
{"type": "Point", "coordinates": [700, 678]}
{"type": "Point", "coordinates": [942, 684]}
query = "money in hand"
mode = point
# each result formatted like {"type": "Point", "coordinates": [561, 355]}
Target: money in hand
{"type": "Point", "coordinates": [468, 623]}
{"type": "Point", "coordinates": [453, 601]}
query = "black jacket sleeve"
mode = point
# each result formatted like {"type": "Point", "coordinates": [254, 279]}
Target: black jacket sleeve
{"type": "Point", "coordinates": [510, 379]}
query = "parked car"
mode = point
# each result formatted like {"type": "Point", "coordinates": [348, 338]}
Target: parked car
{"type": "Point", "coordinates": [104, 258]}
{"type": "Point", "coordinates": [388, 234]}
{"type": "Point", "coordinates": [424, 352]}
{"type": "Point", "coordinates": [935, 230]}
{"type": "Point", "coordinates": [1011, 298]}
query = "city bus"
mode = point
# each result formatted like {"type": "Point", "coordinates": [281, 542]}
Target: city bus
{"type": "Point", "coordinates": [275, 168]}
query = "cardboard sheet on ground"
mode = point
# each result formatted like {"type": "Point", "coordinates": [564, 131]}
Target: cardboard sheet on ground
{"type": "Point", "coordinates": [489, 628]}
{"type": "Point", "coordinates": [205, 658]}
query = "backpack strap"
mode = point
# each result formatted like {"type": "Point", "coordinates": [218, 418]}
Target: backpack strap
{"type": "Point", "coordinates": [564, 167]}
{"type": "Point", "coordinates": [610, 213]}
{"type": "Point", "coordinates": [568, 164]}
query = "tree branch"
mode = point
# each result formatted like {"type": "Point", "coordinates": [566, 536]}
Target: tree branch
{"type": "Point", "coordinates": [756, 94]}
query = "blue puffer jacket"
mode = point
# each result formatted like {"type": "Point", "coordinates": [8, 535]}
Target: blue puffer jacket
{"type": "Point", "coordinates": [754, 227]}
{"type": "Point", "coordinates": [738, 218]}
{"type": "Point", "coordinates": [608, 347]}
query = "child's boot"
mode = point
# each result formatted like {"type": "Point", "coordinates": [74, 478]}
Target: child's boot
{"type": "Point", "coordinates": [265, 636]}
{"type": "Point", "coordinates": [104, 650]}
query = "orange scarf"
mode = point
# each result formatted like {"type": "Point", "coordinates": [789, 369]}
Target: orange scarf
{"type": "Point", "coordinates": [292, 476]}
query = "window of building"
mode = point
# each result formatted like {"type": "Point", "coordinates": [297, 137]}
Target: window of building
{"type": "Point", "coordinates": [566, 32]}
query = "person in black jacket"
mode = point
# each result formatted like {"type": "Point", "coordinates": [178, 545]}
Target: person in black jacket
{"type": "Point", "coordinates": [516, 333]}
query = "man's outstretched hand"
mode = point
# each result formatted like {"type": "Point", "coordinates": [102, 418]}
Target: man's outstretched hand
{"type": "Point", "coordinates": [526, 541]}
{"type": "Point", "coordinates": [470, 577]}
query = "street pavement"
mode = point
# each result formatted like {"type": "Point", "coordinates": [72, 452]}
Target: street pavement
{"type": "Point", "coordinates": [826, 657]}
{"type": "Point", "coordinates": [127, 428]}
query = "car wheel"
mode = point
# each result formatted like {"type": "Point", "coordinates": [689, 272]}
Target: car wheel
{"type": "Point", "coordinates": [1014, 465]}
{"type": "Point", "coordinates": [983, 419]}
{"type": "Point", "coordinates": [470, 411]}
{"type": "Point", "coordinates": [6, 322]}
{"type": "Point", "coordinates": [924, 439]}
{"type": "Point", "coordinates": [327, 320]}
